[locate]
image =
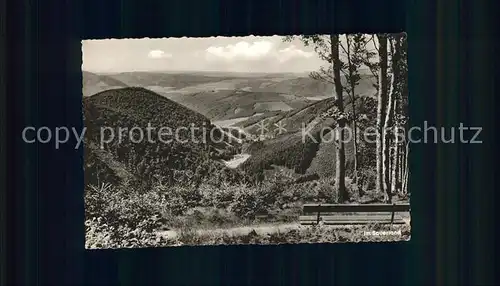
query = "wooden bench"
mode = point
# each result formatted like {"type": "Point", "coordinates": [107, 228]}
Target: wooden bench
{"type": "Point", "coordinates": [352, 214]}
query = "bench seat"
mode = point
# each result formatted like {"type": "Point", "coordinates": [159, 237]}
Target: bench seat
{"type": "Point", "coordinates": [338, 214]}
{"type": "Point", "coordinates": [350, 219]}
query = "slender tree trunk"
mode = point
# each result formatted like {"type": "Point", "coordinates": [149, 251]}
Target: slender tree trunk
{"type": "Point", "coordinates": [355, 134]}
{"type": "Point", "coordinates": [340, 132]}
{"type": "Point", "coordinates": [386, 144]}
{"type": "Point", "coordinates": [355, 143]}
{"type": "Point", "coordinates": [401, 166]}
{"type": "Point", "coordinates": [382, 98]}
{"type": "Point", "coordinates": [352, 91]}
{"type": "Point", "coordinates": [395, 168]}
{"type": "Point", "coordinates": [391, 163]}
{"type": "Point", "coordinates": [404, 97]}
{"type": "Point", "coordinates": [386, 154]}
{"type": "Point", "coordinates": [406, 170]}
{"type": "Point", "coordinates": [358, 181]}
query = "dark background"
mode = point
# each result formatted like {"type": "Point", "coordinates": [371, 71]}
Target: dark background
{"type": "Point", "coordinates": [452, 186]}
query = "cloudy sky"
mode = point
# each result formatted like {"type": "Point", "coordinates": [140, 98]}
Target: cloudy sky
{"type": "Point", "coordinates": [238, 54]}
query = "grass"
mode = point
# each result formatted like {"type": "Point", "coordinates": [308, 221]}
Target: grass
{"type": "Point", "coordinates": [300, 234]}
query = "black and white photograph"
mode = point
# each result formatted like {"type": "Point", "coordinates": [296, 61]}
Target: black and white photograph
{"type": "Point", "coordinates": [245, 140]}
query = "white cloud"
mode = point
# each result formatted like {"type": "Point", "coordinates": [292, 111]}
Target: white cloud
{"type": "Point", "coordinates": [158, 54]}
{"type": "Point", "coordinates": [292, 52]}
{"type": "Point", "coordinates": [241, 50]}
{"type": "Point", "coordinates": [258, 50]}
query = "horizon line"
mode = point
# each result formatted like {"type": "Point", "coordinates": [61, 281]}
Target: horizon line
{"type": "Point", "coordinates": [198, 71]}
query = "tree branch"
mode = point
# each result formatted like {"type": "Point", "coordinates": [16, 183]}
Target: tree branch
{"type": "Point", "coordinates": [374, 43]}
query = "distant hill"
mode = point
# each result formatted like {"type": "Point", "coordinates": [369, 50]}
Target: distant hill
{"type": "Point", "coordinates": [173, 80]}
{"type": "Point", "coordinates": [145, 160]}
{"type": "Point", "coordinates": [94, 83]}
{"type": "Point", "coordinates": [296, 151]}
{"type": "Point", "coordinates": [225, 96]}
{"type": "Point", "coordinates": [240, 103]}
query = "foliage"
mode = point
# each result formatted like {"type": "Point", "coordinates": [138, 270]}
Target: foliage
{"type": "Point", "coordinates": [291, 151]}
{"type": "Point", "coordinates": [361, 57]}
{"type": "Point", "coordinates": [98, 237]}
{"type": "Point", "coordinates": [101, 235]}
{"type": "Point", "coordinates": [121, 217]}
{"type": "Point", "coordinates": [97, 171]}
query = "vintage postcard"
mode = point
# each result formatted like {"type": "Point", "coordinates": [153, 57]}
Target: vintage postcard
{"type": "Point", "coordinates": [245, 140]}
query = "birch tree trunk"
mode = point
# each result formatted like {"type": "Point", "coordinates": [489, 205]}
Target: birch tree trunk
{"type": "Point", "coordinates": [388, 122]}
{"type": "Point", "coordinates": [396, 182]}
{"type": "Point", "coordinates": [395, 168]}
{"type": "Point", "coordinates": [340, 132]}
{"type": "Point", "coordinates": [401, 166]}
{"type": "Point", "coordinates": [381, 108]}
{"type": "Point", "coordinates": [352, 83]}
{"type": "Point", "coordinates": [406, 170]}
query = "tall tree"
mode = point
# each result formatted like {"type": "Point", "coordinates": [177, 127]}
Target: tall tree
{"type": "Point", "coordinates": [381, 109]}
{"type": "Point", "coordinates": [406, 171]}
{"type": "Point", "coordinates": [400, 113]}
{"type": "Point", "coordinates": [394, 41]}
{"type": "Point", "coordinates": [341, 121]}
{"type": "Point", "coordinates": [395, 166]}
{"type": "Point", "coordinates": [367, 57]}
{"type": "Point", "coordinates": [327, 49]}
{"type": "Point", "coordinates": [354, 51]}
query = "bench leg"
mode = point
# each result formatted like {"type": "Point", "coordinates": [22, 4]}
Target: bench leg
{"type": "Point", "coordinates": [317, 219]}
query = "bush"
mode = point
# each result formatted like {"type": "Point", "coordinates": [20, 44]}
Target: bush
{"type": "Point", "coordinates": [101, 235]}
{"type": "Point", "coordinates": [327, 191]}
{"type": "Point", "coordinates": [219, 197]}
{"type": "Point", "coordinates": [177, 199]}
{"type": "Point", "coordinates": [120, 207]}
{"type": "Point", "coordinates": [247, 202]}
{"type": "Point", "coordinates": [367, 179]}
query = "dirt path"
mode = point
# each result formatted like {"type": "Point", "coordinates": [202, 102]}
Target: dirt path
{"type": "Point", "coordinates": [239, 231]}
{"type": "Point", "coordinates": [237, 160]}
{"type": "Point", "coordinates": [262, 229]}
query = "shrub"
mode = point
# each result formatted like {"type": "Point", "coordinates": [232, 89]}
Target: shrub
{"type": "Point", "coordinates": [367, 179]}
{"type": "Point", "coordinates": [219, 197]}
{"type": "Point", "coordinates": [119, 207]}
{"type": "Point", "coordinates": [327, 192]}
{"type": "Point", "coordinates": [246, 202]}
{"type": "Point", "coordinates": [101, 235]}
{"type": "Point", "coordinates": [177, 199]}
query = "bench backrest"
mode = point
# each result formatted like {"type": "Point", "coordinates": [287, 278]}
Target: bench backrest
{"type": "Point", "coordinates": [339, 208]}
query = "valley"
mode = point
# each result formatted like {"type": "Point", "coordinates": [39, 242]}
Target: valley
{"type": "Point", "coordinates": [237, 104]}
{"type": "Point", "coordinates": [242, 146]}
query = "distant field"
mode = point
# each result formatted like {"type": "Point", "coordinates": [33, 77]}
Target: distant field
{"type": "Point", "coordinates": [247, 102]}
{"type": "Point", "coordinates": [224, 96]}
